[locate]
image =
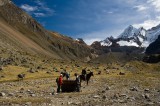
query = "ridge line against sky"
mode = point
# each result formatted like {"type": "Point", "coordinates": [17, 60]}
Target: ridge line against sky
{"type": "Point", "coordinates": [92, 19]}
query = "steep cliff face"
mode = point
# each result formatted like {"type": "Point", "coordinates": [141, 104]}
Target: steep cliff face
{"type": "Point", "coordinates": [154, 48]}
{"type": "Point", "coordinates": [22, 32]}
{"type": "Point", "coordinates": [153, 52]}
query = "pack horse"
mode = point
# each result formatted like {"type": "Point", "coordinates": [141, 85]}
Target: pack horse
{"type": "Point", "coordinates": [86, 77]}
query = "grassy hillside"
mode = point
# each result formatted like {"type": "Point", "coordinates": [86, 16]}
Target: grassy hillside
{"type": "Point", "coordinates": [117, 57]}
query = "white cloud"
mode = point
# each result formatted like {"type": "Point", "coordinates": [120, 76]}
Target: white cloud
{"type": "Point", "coordinates": [110, 12]}
{"type": "Point", "coordinates": [39, 10]}
{"type": "Point", "coordinates": [147, 24]}
{"type": "Point", "coordinates": [139, 13]}
{"type": "Point", "coordinates": [39, 14]}
{"type": "Point", "coordinates": [28, 8]}
{"type": "Point", "coordinates": [39, 3]}
{"type": "Point", "coordinates": [90, 41]}
{"type": "Point", "coordinates": [44, 7]}
{"type": "Point", "coordinates": [153, 17]}
{"type": "Point", "coordinates": [155, 3]}
{"type": "Point", "coordinates": [141, 8]}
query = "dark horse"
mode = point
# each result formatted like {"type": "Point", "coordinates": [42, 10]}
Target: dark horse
{"type": "Point", "coordinates": [86, 77]}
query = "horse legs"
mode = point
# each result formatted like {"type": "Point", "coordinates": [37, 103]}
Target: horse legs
{"type": "Point", "coordinates": [80, 81]}
{"type": "Point", "coordinates": [87, 82]}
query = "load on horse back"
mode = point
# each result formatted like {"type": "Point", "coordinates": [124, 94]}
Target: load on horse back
{"type": "Point", "coordinates": [65, 74]}
{"type": "Point", "coordinates": [71, 85]}
{"type": "Point", "coordinates": [86, 77]}
{"type": "Point", "coordinates": [84, 71]}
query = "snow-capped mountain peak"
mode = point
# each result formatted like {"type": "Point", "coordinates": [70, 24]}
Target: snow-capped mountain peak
{"type": "Point", "coordinates": [132, 36]}
{"type": "Point", "coordinates": [153, 33]}
{"type": "Point", "coordinates": [128, 32]}
{"type": "Point", "coordinates": [131, 32]}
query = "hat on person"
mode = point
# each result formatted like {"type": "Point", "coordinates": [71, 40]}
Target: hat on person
{"type": "Point", "coordinates": [75, 74]}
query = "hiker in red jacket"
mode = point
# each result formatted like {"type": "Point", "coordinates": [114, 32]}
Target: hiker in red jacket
{"type": "Point", "coordinates": [60, 81]}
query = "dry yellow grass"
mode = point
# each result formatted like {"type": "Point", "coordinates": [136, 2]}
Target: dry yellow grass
{"type": "Point", "coordinates": [10, 73]}
{"type": "Point", "coordinates": [148, 77]}
{"type": "Point", "coordinates": [38, 100]}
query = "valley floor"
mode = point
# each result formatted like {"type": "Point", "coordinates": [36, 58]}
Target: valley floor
{"type": "Point", "coordinates": [140, 86]}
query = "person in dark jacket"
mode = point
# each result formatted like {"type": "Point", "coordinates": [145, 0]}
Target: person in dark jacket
{"type": "Point", "coordinates": [77, 82]}
{"type": "Point", "coordinates": [83, 73]}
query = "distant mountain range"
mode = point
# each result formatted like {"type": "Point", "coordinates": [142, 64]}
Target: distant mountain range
{"type": "Point", "coordinates": [132, 36]}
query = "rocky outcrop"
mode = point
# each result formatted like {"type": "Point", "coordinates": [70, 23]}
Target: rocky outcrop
{"type": "Point", "coordinates": [154, 48]}
{"type": "Point", "coordinates": [81, 41]}
{"type": "Point", "coordinates": [96, 45]}
{"type": "Point", "coordinates": [153, 52]}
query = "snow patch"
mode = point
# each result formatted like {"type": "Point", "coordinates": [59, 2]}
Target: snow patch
{"type": "Point", "coordinates": [126, 43]}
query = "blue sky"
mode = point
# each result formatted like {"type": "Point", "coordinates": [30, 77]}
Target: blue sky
{"type": "Point", "coordinates": [92, 19]}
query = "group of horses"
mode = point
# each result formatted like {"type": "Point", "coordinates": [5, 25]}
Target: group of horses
{"type": "Point", "coordinates": [83, 77]}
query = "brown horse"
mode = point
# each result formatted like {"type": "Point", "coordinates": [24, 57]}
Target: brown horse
{"type": "Point", "coordinates": [86, 77]}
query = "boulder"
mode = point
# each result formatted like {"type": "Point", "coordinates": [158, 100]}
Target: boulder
{"type": "Point", "coordinates": [134, 89]}
{"type": "Point", "coordinates": [107, 88]}
{"type": "Point", "coordinates": [2, 94]}
{"type": "Point", "coordinates": [11, 94]}
{"type": "Point", "coordinates": [1, 68]}
{"type": "Point", "coordinates": [121, 73]}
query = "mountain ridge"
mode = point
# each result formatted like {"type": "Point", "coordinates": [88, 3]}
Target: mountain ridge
{"type": "Point", "coordinates": [28, 35]}
{"type": "Point", "coordinates": [132, 36]}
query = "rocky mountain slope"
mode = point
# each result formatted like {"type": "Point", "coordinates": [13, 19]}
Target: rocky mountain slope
{"type": "Point", "coordinates": [154, 48]}
{"type": "Point", "coordinates": [153, 52]}
{"type": "Point", "coordinates": [20, 31]}
{"type": "Point", "coordinates": [132, 43]}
